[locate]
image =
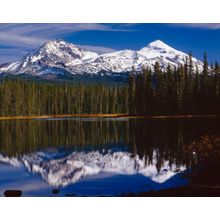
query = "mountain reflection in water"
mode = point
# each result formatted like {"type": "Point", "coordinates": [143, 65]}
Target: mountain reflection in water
{"type": "Point", "coordinates": [64, 153]}
{"type": "Point", "coordinates": [70, 169]}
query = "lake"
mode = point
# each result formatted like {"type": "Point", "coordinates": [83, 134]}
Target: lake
{"type": "Point", "coordinates": [103, 157]}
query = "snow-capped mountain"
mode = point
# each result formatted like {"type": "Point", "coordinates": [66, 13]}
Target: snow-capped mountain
{"type": "Point", "coordinates": [53, 57]}
{"type": "Point", "coordinates": [59, 57]}
{"type": "Point", "coordinates": [66, 170]}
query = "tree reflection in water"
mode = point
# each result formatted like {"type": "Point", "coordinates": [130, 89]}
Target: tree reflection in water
{"type": "Point", "coordinates": [175, 141]}
{"type": "Point", "coordinates": [204, 154]}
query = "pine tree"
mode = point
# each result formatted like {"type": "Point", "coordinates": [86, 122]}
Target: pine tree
{"type": "Point", "coordinates": [205, 65]}
{"type": "Point", "coordinates": [132, 86]}
{"type": "Point", "coordinates": [190, 63]}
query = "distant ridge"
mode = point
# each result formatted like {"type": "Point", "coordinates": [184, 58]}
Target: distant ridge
{"type": "Point", "coordinates": [58, 57]}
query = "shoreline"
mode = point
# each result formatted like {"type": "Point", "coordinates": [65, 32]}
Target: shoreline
{"type": "Point", "coordinates": [183, 191]}
{"type": "Point", "coordinates": [106, 116]}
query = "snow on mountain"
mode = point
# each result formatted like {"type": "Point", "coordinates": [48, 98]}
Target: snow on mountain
{"type": "Point", "coordinates": [57, 57]}
{"type": "Point", "coordinates": [164, 54]}
{"type": "Point", "coordinates": [55, 54]}
{"type": "Point", "coordinates": [70, 169]}
{"type": "Point", "coordinates": [117, 62]}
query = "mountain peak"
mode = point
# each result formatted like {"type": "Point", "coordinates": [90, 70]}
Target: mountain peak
{"type": "Point", "coordinates": [158, 44]}
{"type": "Point", "coordinates": [57, 43]}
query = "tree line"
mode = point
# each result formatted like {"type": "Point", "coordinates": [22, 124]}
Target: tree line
{"type": "Point", "coordinates": [21, 97]}
{"type": "Point", "coordinates": [180, 90]}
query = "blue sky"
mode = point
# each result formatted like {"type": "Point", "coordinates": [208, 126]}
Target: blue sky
{"type": "Point", "coordinates": [18, 39]}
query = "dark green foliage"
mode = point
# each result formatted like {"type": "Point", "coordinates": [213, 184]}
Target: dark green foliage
{"type": "Point", "coordinates": [21, 97]}
{"type": "Point", "coordinates": [131, 83]}
{"type": "Point", "coordinates": [182, 90]}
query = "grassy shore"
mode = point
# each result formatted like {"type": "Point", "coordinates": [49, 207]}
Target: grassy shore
{"type": "Point", "coordinates": [106, 116]}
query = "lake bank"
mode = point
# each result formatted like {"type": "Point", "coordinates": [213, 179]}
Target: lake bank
{"type": "Point", "coordinates": [106, 116]}
{"type": "Point", "coordinates": [184, 191]}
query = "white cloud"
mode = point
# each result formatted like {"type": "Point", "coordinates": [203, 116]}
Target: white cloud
{"type": "Point", "coordinates": [11, 39]}
{"type": "Point", "coordinates": [11, 54]}
{"type": "Point", "coordinates": [211, 26]}
{"type": "Point", "coordinates": [35, 34]}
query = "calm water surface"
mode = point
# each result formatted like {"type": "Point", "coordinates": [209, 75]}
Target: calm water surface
{"type": "Point", "coordinates": [95, 157]}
